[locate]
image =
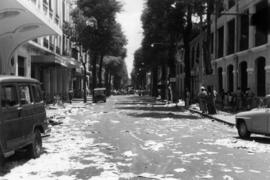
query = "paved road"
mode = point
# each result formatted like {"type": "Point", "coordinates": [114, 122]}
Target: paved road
{"type": "Point", "coordinates": [132, 137]}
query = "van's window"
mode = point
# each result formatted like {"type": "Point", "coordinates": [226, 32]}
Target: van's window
{"type": "Point", "coordinates": [9, 96]}
{"type": "Point", "coordinates": [25, 96]}
{"type": "Point", "coordinates": [36, 93]}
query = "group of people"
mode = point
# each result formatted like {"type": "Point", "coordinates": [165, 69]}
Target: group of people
{"type": "Point", "coordinates": [207, 100]}
{"type": "Point", "coordinates": [238, 100]}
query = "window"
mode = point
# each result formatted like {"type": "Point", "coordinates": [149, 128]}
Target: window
{"type": "Point", "coordinates": [231, 37]}
{"type": "Point", "coordinates": [231, 3]}
{"type": "Point", "coordinates": [261, 36]}
{"type": "Point", "coordinates": [36, 93]}
{"type": "Point", "coordinates": [9, 96]}
{"type": "Point", "coordinates": [21, 66]}
{"type": "Point", "coordinates": [244, 24]}
{"type": "Point", "coordinates": [25, 96]}
{"type": "Point", "coordinates": [220, 41]}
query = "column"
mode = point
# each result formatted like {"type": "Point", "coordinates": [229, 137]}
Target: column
{"type": "Point", "coordinates": [234, 79]}
{"type": "Point", "coordinates": [251, 79]}
{"type": "Point", "coordinates": [59, 81]}
{"type": "Point", "coordinates": [267, 79]}
{"type": "Point", "coordinates": [46, 75]}
{"type": "Point", "coordinates": [224, 80]}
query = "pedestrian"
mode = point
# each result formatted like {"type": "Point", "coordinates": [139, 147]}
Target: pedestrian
{"type": "Point", "coordinates": [222, 97]}
{"type": "Point", "coordinates": [250, 97]}
{"type": "Point", "coordinates": [187, 98]}
{"type": "Point", "coordinates": [238, 99]}
{"type": "Point", "coordinates": [203, 100]}
{"type": "Point", "coordinates": [70, 95]}
{"type": "Point", "coordinates": [210, 101]}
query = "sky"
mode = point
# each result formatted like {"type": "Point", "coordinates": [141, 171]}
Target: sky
{"type": "Point", "coordinates": [130, 19]}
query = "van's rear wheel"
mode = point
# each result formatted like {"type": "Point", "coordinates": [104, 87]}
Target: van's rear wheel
{"type": "Point", "coordinates": [35, 148]}
{"type": "Point", "coordinates": [243, 131]}
{"type": "Point", "coordinates": [2, 160]}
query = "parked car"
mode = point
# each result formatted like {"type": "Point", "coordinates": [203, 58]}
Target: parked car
{"type": "Point", "coordinates": [99, 95]}
{"type": "Point", "coordinates": [255, 121]}
{"type": "Point", "coordinates": [23, 116]}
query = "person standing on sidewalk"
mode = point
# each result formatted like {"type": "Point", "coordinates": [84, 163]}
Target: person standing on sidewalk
{"type": "Point", "coordinates": [187, 98]}
{"type": "Point", "coordinates": [238, 99]}
{"type": "Point", "coordinates": [203, 100]}
{"type": "Point", "coordinates": [250, 96]}
{"type": "Point", "coordinates": [222, 97]}
{"type": "Point", "coordinates": [210, 101]}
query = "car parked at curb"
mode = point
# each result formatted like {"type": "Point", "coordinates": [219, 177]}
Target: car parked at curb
{"type": "Point", "coordinates": [22, 116]}
{"type": "Point", "coordinates": [255, 121]}
{"type": "Point", "coordinates": [99, 94]}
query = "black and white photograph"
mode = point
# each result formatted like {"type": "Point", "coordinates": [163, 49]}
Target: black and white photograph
{"type": "Point", "coordinates": [134, 89]}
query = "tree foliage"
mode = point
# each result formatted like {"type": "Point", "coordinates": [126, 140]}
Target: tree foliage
{"type": "Point", "coordinates": [105, 38]}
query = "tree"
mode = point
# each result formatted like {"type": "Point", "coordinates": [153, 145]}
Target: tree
{"type": "Point", "coordinates": [116, 47]}
{"type": "Point", "coordinates": [96, 40]}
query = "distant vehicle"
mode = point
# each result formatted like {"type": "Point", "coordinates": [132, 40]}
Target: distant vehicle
{"type": "Point", "coordinates": [23, 116]}
{"type": "Point", "coordinates": [254, 121]}
{"type": "Point", "coordinates": [99, 94]}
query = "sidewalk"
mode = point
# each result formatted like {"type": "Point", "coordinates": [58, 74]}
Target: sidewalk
{"type": "Point", "coordinates": [221, 116]}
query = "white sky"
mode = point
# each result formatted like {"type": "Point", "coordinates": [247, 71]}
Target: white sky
{"type": "Point", "coordinates": [130, 19]}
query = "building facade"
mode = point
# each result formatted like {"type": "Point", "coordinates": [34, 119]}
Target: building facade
{"type": "Point", "coordinates": [37, 46]}
{"type": "Point", "coordinates": [241, 52]}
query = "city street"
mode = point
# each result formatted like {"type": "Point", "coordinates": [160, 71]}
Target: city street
{"type": "Point", "coordinates": [133, 137]}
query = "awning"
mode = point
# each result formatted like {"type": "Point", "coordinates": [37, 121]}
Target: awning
{"type": "Point", "coordinates": [21, 21]}
{"type": "Point", "coordinates": [67, 62]}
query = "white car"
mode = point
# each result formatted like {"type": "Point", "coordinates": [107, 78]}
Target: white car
{"type": "Point", "coordinates": [254, 121]}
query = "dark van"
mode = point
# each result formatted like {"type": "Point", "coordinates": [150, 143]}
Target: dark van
{"type": "Point", "coordinates": [22, 116]}
{"type": "Point", "coordinates": [99, 94]}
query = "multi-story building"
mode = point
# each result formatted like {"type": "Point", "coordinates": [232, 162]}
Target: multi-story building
{"type": "Point", "coordinates": [33, 43]}
{"type": "Point", "coordinates": [240, 51]}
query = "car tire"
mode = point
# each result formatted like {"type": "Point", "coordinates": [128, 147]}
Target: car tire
{"type": "Point", "coordinates": [2, 160]}
{"type": "Point", "coordinates": [35, 148]}
{"type": "Point", "coordinates": [243, 131]}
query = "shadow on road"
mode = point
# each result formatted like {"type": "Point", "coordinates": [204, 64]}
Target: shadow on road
{"type": "Point", "coordinates": [139, 103]}
{"type": "Point", "coordinates": [150, 108]}
{"type": "Point", "coordinates": [258, 139]}
{"type": "Point", "coordinates": [162, 115]}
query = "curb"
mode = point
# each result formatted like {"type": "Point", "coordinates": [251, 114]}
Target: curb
{"type": "Point", "coordinates": [213, 118]}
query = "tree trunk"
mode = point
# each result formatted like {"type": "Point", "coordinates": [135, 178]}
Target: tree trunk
{"type": "Point", "coordinates": [110, 80]}
{"type": "Point", "coordinates": [207, 45]}
{"type": "Point", "coordinates": [100, 71]}
{"type": "Point", "coordinates": [94, 72]}
{"type": "Point", "coordinates": [163, 81]}
{"type": "Point", "coordinates": [107, 81]}
{"type": "Point", "coordinates": [154, 81]}
{"type": "Point", "coordinates": [187, 38]}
